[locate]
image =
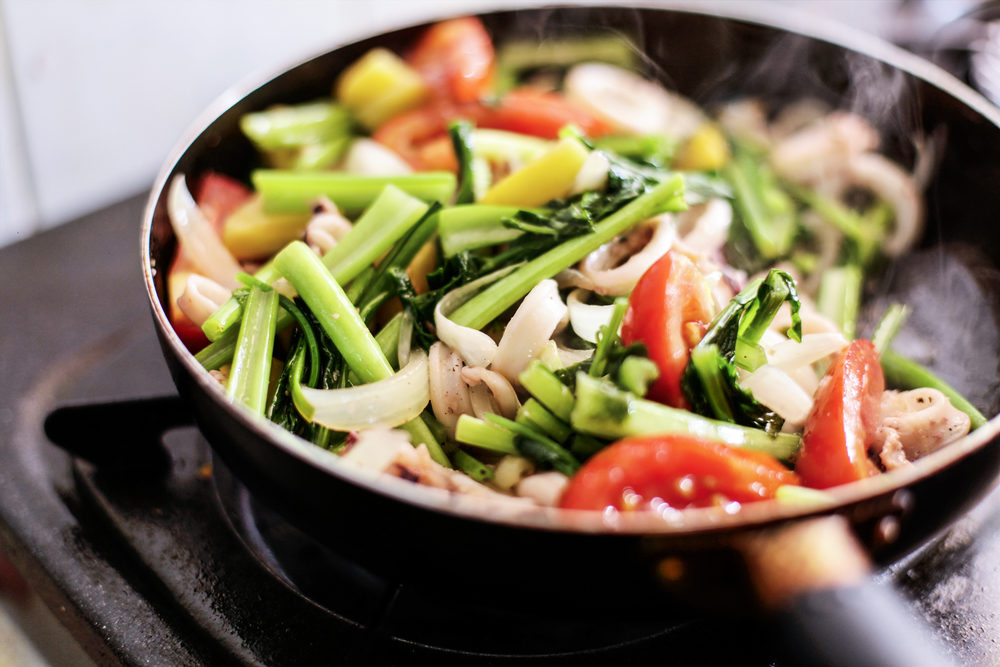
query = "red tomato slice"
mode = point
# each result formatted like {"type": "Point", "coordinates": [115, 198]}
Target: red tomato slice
{"type": "Point", "coordinates": [456, 59]}
{"type": "Point", "coordinates": [682, 471]}
{"type": "Point", "coordinates": [541, 113]}
{"type": "Point", "coordinates": [668, 311]}
{"type": "Point", "coordinates": [843, 420]}
{"type": "Point", "coordinates": [219, 195]}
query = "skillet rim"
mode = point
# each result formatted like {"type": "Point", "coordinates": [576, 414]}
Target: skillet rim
{"type": "Point", "coordinates": [676, 523]}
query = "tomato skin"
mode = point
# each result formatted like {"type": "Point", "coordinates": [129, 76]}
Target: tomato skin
{"type": "Point", "coordinates": [421, 138]}
{"type": "Point", "coordinates": [219, 195]}
{"type": "Point", "coordinates": [683, 471]}
{"type": "Point", "coordinates": [541, 113]}
{"type": "Point", "coordinates": [456, 59]}
{"type": "Point", "coordinates": [843, 420]}
{"type": "Point", "coordinates": [668, 311]}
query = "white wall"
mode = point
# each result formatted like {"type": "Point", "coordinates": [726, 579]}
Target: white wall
{"type": "Point", "coordinates": [94, 93]}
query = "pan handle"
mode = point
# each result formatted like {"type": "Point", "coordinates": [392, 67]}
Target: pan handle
{"type": "Point", "coordinates": [815, 579]}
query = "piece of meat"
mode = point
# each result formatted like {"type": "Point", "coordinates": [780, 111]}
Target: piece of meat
{"type": "Point", "coordinates": [915, 423]}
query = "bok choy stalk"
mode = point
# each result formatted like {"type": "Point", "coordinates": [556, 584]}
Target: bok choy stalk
{"type": "Point", "coordinates": [294, 191]}
{"type": "Point", "coordinates": [390, 216]}
{"type": "Point", "coordinates": [711, 382]}
{"type": "Point", "coordinates": [251, 369]}
{"type": "Point", "coordinates": [486, 306]}
{"type": "Point", "coordinates": [339, 318]}
{"type": "Point", "coordinates": [839, 297]}
{"type": "Point", "coordinates": [603, 410]}
{"type": "Point", "coordinates": [767, 212]}
{"type": "Point", "coordinates": [472, 226]}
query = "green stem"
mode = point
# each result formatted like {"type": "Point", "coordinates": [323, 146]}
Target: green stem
{"type": "Point", "coordinates": [483, 308]}
{"type": "Point", "coordinates": [338, 317]}
{"type": "Point", "coordinates": [545, 386]}
{"type": "Point", "coordinates": [389, 217]}
{"type": "Point", "coordinates": [605, 411]}
{"type": "Point", "coordinates": [251, 370]}
{"type": "Point", "coordinates": [486, 435]}
{"type": "Point", "coordinates": [295, 191]}
{"type": "Point", "coordinates": [473, 226]}
{"type": "Point", "coordinates": [839, 297]}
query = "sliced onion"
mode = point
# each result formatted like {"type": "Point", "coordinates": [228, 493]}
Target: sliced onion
{"type": "Point", "coordinates": [529, 329]}
{"type": "Point", "coordinates": [585, 318]}
{"type": "Point", "coordinates": [385, 403]}
{"type": "Point", "coordinates": [893, 185]}
{"type": "Point", "coordinates": [198, 238]}
{"type": "Point", "coordinates": [710, 227]}
{"type": "Point", "coordinates": [772, 387]}
{"type": "Point", "coordinates": [621, 279]}
{"type": "Point", "coordinates": [475, 347]}
{"type": "Point", "coordinates": [630, 102]}
{"type": "Point", "coordinates": [202, 296]}
{"type": "Point", "coordinates": [368, 157]}
{"type": "Point", "coordinates": [450, 397]}
{"type": "Point", "coordinates": [593, 174]}
{"type": "Point", "coordinates": [573, 278]}
{"type": "Point", "coordinates": [789, 354]}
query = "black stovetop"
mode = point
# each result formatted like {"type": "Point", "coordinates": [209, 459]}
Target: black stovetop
{"type": "Point", "coordinates": [156, 555]}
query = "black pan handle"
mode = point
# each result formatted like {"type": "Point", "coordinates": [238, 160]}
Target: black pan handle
{"type": "Point", "coordinates": [124, 434]}
{"type": "Point", "coordinates": [815, 579]}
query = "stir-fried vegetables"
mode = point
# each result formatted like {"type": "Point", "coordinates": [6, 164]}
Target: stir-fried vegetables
{"type": "Point", "coordinates": [541, 279]}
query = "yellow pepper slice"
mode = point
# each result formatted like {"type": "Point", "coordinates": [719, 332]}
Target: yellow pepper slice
{"type": "Point", "coordinates": [548, 177]}
{"type": "Point", "coordinates": [250, 233]}
{"type": "Point", "coordinates": [378, 86]}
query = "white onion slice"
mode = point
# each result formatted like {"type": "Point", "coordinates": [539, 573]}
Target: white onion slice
{"type": "Point", "coordinates": [202, 296]}
{"type": "Point", "coordinates": [385, 403]}
{"type": "Point", "coordinates": [368, 157]}
{"type": "Point", "coordinates": [710, 228]}
{"type": "Point", "coordinates": [450, 396]}
{"type": "Point", "coordinates": [198, 238]}
{"type": "Point", "coordinates": [587, 319]}
{"type": "Point", "coordinates": [529, 329]}
{"type": "Point", "coordinates": [621, 279]}
{"type": "Point", "coordinates": [772, 387]}
{"type": "Point", "coordinates": [593, 174]}
{"type": "Point", "coordinates": [893, 185]}
{"type": "Point", "coordinates": [475, 347]}
{"type": "Point", "coordinates": [789, 354]}
{"type": "Point", "coordinates": [630, 102]}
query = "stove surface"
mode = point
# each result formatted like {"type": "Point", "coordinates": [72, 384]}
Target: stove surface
{"type": "Point", "coordinates": [150, 553]}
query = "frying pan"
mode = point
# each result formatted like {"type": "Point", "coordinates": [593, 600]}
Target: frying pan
{"type": "Point", "coordinates": [808, 566]}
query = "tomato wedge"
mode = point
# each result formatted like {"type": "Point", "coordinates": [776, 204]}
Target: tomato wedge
{"type": "Point", "coordinates": [456, 59]}
{"type": "Point", "coordinates": [843, 420]}
{"type": "Point", "coordinates": [679, 470]}
{"type": "Point", "coordinates": [668, 311]}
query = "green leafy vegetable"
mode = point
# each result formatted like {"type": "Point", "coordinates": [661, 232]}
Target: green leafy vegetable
{"type": "Point", "coordinates": [711, 381]}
